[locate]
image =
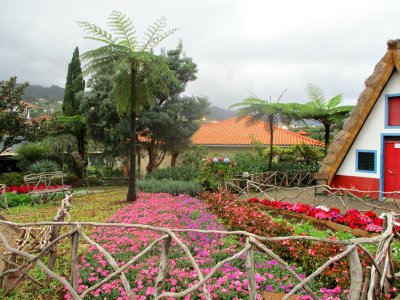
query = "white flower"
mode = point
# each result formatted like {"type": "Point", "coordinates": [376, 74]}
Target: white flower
{"type": "Point", "coordinates": [324, 208]}
{"type": "Point", "coordinates": [227, 160]}
{"type": "Point", "coordinates": [215, 159]}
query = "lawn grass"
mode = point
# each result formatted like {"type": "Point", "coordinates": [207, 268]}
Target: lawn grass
{"type": "Point", "coordinates": [100, 204]}
{"type": "Point", "coordinates": [97, 206]}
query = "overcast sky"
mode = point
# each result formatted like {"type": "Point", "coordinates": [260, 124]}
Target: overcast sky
{"type": "Point", "coordinates": [260, 46]}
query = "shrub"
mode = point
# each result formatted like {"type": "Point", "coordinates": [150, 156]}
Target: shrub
{"type": "Point", "coordinates": [184, 173]}
{"type": "Point", "coordinates": [193, 157]}
{"type": "Point", "coordinates": [250, 162]}
{"type": "Point", "coordinates": [290, 166]}
{"type": "Point", "coordinates": [174, 187]}
{"type": "Point", "coordinates": [44, 165]}
{"type": "Point", "coordinates": [15, 200]}
{"type": "Point", "coordinates": [215, 170]}
{"type": "Point", "coordinates": [12, 178]}
{"type": "Point", "coordinates": [28, 154]}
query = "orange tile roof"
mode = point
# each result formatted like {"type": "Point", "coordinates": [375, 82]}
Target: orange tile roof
{"type": "Point", "coordinates": [302, 132]}
{"type": "Point", "coordinates": [240, 132]}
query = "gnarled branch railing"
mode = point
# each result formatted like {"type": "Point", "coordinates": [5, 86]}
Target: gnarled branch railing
{"type": "Point", "coordinates": [277, 178]}
{"type": "Point", "coordinates": [381, 272]}
{"type": "Point", "coordinates": [4, 196]}
{"type": "Point", "coordinates": [319, 194]}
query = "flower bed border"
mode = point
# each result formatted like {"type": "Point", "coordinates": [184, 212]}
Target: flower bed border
{"type": "Point", "coordinates": [332, 225]}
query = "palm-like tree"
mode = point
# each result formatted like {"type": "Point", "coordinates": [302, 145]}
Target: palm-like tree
{"type": "Point", "coordinates": [264, 110]}
{"type": "Point", "coordinates": [138, 72]}
{"type": "Point", "coordinates": [328, 112]}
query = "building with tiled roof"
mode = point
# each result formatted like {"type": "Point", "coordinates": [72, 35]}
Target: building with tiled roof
{"type": "Point", "coordinates": [240, 133]}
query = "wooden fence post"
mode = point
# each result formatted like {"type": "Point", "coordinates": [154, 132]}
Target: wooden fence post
{"type": "Point", "coordinates": [74, 260]}
{"type": "Point", "coordinates": [355, 274]}
{"type": "Point", "coordinates": [163, 268]}
{"type": "Point", "coordinates": [250, 272]}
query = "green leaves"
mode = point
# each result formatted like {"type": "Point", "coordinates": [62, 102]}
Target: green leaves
{"type": "Point", "coordinates": [123, 28]}
{"type": "Point", "coordinates": [155, 34]}
{"type": "Point", "coordinates": [96, 33]}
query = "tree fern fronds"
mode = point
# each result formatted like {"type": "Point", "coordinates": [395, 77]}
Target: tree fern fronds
{"type": "Point", "coordinates": [122, 91]}
{"type": "Point", "coordinates": [315, 93]}
{"type": "Point", "coordinates": [335, 101]}
{"type": "Point", "coordinates": [96, 33]}
{"type": "Point", "coordinates": [155, 34]}
{"type": "Point", "coordinates": [123, 28]}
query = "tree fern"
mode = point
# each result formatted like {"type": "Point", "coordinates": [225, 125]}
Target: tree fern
{"type": "Point", "coordinates": [124, 29]}
{"type": "Point", "coordinates": [96, 33]}
{"type": "Point", "coordinates": [135, 68]}
{"type": "Point", "coordinates": [155, 34]}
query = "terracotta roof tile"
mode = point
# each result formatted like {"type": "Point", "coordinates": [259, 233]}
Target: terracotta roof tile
{"type": "Point", "coordinates": [241, 132]}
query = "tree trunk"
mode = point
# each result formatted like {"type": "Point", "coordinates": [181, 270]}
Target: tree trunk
{"type": "Point", "coordinates": [131, 196]}
{"type": "Point", "coordinates": [174, 157]}
{"type": "Point", "coordinates": [327, 135]}
{"type": "Point", "coordinates": [139, 162]}
{"type": "Point", "coordinates": [271, 140]}
{"type": "Point", "coordinates": [80, 137]}
{"type": "Point", "coordinates": [151, 152]}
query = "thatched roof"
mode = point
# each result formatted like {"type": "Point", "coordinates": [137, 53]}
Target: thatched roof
{"type": "Point", "coordinates": [373, 88]}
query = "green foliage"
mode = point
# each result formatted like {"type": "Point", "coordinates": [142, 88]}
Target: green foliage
{"type": "Point", "coordinates": [308, 228]}
{"type": "Point", "coordinates": [250, 162]}
{"type": "Point", "coordinates": [170, 123]}
{"type": "Point", "coordinates": [193, 157]}
{"type": "Point", "coordinates": [301, 153]}
{"type": "Point", "coordinates": [102, 121]}
{"type": "Point", "coordinates": [182, 172]}
{"type": "Point", "coordinates": [328, 112]}
{"type": "Point", "coordinates": [12, 178]}
{"type": "Point", "coordinates": [44, 165]}
{"type": "Point", "coordinates": [258, 109]}
{"type": "Point", "coordinates": [290, 166]}
{"type": "Point", "coordinates": [30, 153]}
{"type": "Point", "coordinates": [14, 127]}
{"type": "Point", "coordinates": [174, 187]}
{"type": "Point", "coordinates": [14, 200]}
{"type": "Point", "coordinates": [215, 171]}
{"type": "Point", "coordinates": [74, 86]}
{"type": "Point", "coordinates": [343, 235]}
{"type": "Point", "coordinates": [138, 74]}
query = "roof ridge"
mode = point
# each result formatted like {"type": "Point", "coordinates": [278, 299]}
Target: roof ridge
{"type": "Point", "coordinates": [373, 87]}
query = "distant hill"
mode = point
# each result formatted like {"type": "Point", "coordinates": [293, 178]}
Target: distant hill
{"type": "Point", "coordinates": [219, 114]}
{"type": "Point", "coordinates": [35, 92]}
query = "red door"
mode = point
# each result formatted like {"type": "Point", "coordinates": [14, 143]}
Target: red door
{"type": "Point", "coordinates": [392, 167]}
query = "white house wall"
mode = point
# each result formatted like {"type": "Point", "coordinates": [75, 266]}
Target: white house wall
{"type": "Point", "coordinates": [369, 137]}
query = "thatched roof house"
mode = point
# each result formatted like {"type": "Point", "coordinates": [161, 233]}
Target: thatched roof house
{"type": "Point", "coordinates": [366, 153]}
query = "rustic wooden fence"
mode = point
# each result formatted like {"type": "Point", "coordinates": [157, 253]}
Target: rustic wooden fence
{"type": "Point", "coordinates": [367, 282]}
{"type": "Point", "coordinates": [319, 194]}
{"type": "Point", "coordinates": [3, 196]}
{"type": "Point", "coordinates": [277, 178]}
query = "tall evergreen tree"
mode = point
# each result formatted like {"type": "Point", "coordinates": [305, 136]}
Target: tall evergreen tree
{"type": "Point", "coordinates": [73, 94]}
{"type": "Point", "coordinates": [74, 86]}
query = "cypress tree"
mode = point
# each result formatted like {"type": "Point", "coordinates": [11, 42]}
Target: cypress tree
{"type": "Point", "coordinates": [73, 86]}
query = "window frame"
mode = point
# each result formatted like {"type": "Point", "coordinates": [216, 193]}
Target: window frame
{"type": "Point", "coordinates": [387, 108]}
{"type": "Point", "coordinates": [374, 152]}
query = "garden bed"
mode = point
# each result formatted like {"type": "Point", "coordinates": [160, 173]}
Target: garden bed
{"type": "Point", "coordinates": [207, 250]}
{"type": "Point", "coordinates": [324, 223]}
{"type": "Point", "coordinates": [352, 220]}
